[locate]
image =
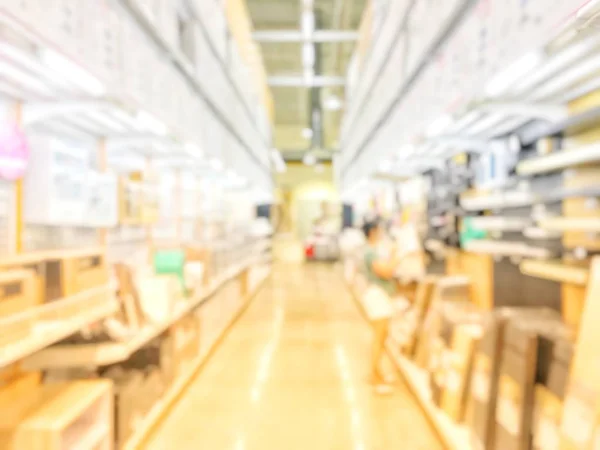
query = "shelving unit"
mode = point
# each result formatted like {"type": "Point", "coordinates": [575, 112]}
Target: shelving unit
{"type": "Point", "coordinates": [507, 248]}
{"type": "Point", "coordinates": [560, 160]}
{"type": "Point", "coordinates": [53, 322]}
{"type": "Point", "coordinates": [103, 354]}
{"type": "Point", "coordinates": [61, 416]}
{"type": "Point", "coordinates": [151, 420]}
{"type": "Point", "coordinates": [556, 271]}
{"type": "Point", "coordinates": [585, 224]}
{"type": "Point", "coordinates": [454, 437]}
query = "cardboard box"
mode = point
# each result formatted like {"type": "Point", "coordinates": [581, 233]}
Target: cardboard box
{"type": "Point", "coordinates": [17, 294]}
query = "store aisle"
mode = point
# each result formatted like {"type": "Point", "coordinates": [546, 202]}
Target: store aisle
{"type": "Point", "coordinates": [293, 375]}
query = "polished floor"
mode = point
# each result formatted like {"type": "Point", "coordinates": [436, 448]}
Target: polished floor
{"type": "Point", "coordinates": [293, 375]}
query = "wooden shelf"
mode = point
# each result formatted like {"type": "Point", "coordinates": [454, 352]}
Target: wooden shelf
{"type": "Point", "coordinates": [499, 223]}
{"type": "Point", "coordinates": [55, 321]}
{"type": "Point", "coordinates": [63, 416]}
{"type": "Point", "coordinates": [23, 259]}
{"type": "Point", "coordinates": [103, 354]}
{"type": "Point", "coordinates": [582, 224]}
{"type": "Point", "coordinates": [560, 160]}
{"type": "Point", "coordinates": [556, 271]}
{"type": "Point", "coordinates": [454, 437]}
{"type": "Point", "coordinates": [507, 248]}
{"type": "Point", "coordinates": [158, 411]}
{"type": "Point", "coordinates": [500, 200]}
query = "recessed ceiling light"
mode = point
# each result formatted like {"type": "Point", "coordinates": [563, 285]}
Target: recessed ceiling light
{"type": "Point", "coordinates": [307, 133]}
{"type": "Point", "coordinates": [333, 103]}
{"type": "Point", "coordinates": [309, 159]}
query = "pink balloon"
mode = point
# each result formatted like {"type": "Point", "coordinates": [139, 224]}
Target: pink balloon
{"type": "Point", "coordinates": [14, 152]}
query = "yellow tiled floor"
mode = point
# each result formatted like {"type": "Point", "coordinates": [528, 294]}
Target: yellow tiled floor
{"type": "Point", "coordinates": [293, 375]}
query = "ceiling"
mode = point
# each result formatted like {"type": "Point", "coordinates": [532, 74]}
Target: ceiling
{"type": "Point", "coordinates": [293, 103]}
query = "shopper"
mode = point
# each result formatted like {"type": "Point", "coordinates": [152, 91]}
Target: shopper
{"type": "Point", "coordinates": [381, 263]}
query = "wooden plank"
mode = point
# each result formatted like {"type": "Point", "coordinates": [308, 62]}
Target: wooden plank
{"type": "Point", "coordinates": [556, 271]}
{"type": "Point", "coordinates": [479, 269]}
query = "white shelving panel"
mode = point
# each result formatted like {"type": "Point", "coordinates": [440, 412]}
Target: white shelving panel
{"type": "Point", "coordinates": [109, 47]}
{"type": "Point", "coordinates": [454, 50]}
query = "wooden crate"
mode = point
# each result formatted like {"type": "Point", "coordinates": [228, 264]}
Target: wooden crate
{"type": "Point", "coordinates": [77, 415]}
{"type": "Point", "coordinates": [80, 272]}
{"type": "Point", "coordinates": [17, 294]}
{"type": "Point", "coordinates": [61, 273]}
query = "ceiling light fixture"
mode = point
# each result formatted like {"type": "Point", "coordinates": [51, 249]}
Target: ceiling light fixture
{"type": "Point", "coordinates": [216, 164]}
{"type": "Point", "coordinates": [23, 79]}
{"type": "Point", "coordinates": [307, 23]}
{"type": "Point", "coordinates": [193, 150]}
{"type": "Point", "coordinates": [568, 78]}
{"type": "Point", "coordinates": [439, 125]}
{"type": "Point", "coordinates": [309, 159]}
{"type": "Point", "coordinates": [148, 122]}
{"type": "Point", "coordinates": [507, 78]}
{"type": "Point", "coordinates": [308, 55]}
{"type": "Point", "coordinates": [72, 72]}
{"type": "Point", "coordinates": [333, 103]}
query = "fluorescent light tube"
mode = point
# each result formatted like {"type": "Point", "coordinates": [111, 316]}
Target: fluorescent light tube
{"type": "Point", "coordinates": [307, 133]}
{"type": "Point", "coordinates": [588, 9]}
{"type": "Point", "coordinates": [307, 23]}
{"type": "Point", "coordinates": [193, 150]}
{"type": "Point", "coordinates": [503, 81]}
{"type": "Point", "coordinates": [309, 159]}
{"type": "Point", "coordinates": [569, 77]}
{"type": "Point", "coordinates": [308, 55]}
{"type": "Point", "coordinates": [333, 103]}
{"type": "Point", "coordinates": [107, 121]}
{"type": "Point", "coordinates": [216, 164]}
{"type": "Point", "coordinates": [23, 79]}
{"type": "Point", "coordinates": [556, 63]}
{"type": "Point", "coordinates": [489, 121]}
{"type": "Point", "coordinates": [439, 125]}
{"type": "Point", "coordinates": [73, 72]}
{"type": "Point", "coordinates": [464, 121]}
{"type": "Point", "coordinates": [309, 76]}
{"type": "Point", "coordinates": [147, 122]}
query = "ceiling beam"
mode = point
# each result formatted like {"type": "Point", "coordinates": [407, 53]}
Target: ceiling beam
{"type": "Point", "coordinates": [300, 81]}
{"type": "Point", "coordinates": [297, 36]}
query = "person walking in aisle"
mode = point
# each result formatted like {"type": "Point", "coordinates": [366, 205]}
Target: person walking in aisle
{"type": "Point", "coordinates": [380, 266]}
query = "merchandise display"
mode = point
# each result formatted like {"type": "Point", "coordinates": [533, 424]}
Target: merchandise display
{"type": "Point", "coordinates": [130, 241]}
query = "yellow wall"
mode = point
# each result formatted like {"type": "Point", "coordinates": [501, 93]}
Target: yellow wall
{"type": "Point", "coordinates": [301, 188]}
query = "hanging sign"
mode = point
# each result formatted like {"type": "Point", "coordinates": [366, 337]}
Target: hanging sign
{"type": "Point", "coordinates": [14, 152]}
